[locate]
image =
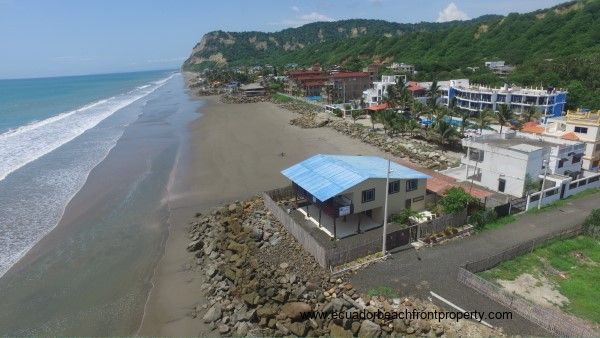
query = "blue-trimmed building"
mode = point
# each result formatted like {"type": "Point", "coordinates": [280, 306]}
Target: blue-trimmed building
{"type": "Point", "coordinates": [348, 192]}
{"type": "Point", "coordinates": [550, 102]}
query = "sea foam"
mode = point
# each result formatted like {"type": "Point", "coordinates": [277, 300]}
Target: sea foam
{"type": "Point", "coordinates": [25, 144]}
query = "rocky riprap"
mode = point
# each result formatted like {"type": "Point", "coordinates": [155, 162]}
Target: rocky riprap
{"type": "Point", "coordinates": [417, 151]}
{"type": "Point", "coordinates": [237, 98]}
{"type": "Point", "coordinates": [259, 280]}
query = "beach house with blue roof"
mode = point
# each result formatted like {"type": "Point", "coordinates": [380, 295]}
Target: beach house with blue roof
{"type": "Point", "coordinates": [345, 195]}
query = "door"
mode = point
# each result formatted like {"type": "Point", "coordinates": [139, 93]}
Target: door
{"type": "Point", "coordinates": [408, 203]}
{"type": "Point", "coordinates": [562, 191]}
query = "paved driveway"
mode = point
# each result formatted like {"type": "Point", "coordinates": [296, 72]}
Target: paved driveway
{"type": "Point", "coordinates": [436, 270]}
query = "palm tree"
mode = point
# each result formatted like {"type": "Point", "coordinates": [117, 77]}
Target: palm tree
{"type": "Point", "coordinates": [464, 115]}
{"type": "Point", "coordinates": [445, 131]}
{"type": "Point", "coordinates": [388, 118]}
{"type": "Point", "coordinates": [484, 119]}
{"type": "Point", "coordinates": [391, 96]}
{"type": "Point", "coordinates": [374, 118]}
{"type": "Point", "coordinates": [504, 115]}
{"type": "Point", "coordinates": [531, 112]}
{"type": "Point", "coordinates": [412, 125]}
{"type": "Point", "coordinates": [355, 114]}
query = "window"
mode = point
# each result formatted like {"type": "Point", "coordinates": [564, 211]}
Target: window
{"type": "Point", "coordinates": [476, 155]}
{"type": "Point", "coordinates": [501, 185]}
{"type": "Point", "coordinates": [418, 199]}
{"type": "Point", "coordinates": [412, 185]}
{"type": "Point", "coordinates": [581, 130]}
{"type": "Point", "coordinates": [394, 187]}
{"type": "Point", "coordinates": [576, 158]}
{"type": "Point", "coordinates": [368, 195]}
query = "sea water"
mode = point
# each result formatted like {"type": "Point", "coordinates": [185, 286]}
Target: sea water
{"type": "Point", "coordinates": [98, 150]}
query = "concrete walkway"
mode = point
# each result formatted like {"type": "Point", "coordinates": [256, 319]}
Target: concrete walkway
{"type": "Point", "coordinates": [436, 270]}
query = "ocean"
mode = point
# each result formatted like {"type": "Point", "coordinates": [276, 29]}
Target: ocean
{"type": "Point", "coordinates": [91, 157]}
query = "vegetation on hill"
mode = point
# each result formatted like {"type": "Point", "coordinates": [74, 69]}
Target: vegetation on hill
{"type": "Point", "coordinates": [552, 47]}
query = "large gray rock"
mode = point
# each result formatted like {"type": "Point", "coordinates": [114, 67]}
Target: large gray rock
{"type": "Point", "coordinates": [294, 310]}
{"type": "Point", "coordinates": [213, 314]}
{"type": "Point", "coordinates": [298, 328]}
{"type": "Point", "coordinates": [195, 245]}
{"type": "Point", "coordinates": [369, 329]}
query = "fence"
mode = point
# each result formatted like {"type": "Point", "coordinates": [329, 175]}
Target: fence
{"type": "Point", "coordinates": [553, 320]}
{"type": "Point", "coordinates": [441, 223]}
{"type": "Point", "coordinates": [328, 253]}
{"type": "Point", "coordinates": [302, 235]}
{"type": "Point", "coordinates": [564, 190]}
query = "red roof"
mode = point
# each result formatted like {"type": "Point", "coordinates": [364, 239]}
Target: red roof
{"type": "Point", "coordinates": [378, 107]}
{"type": "Point", "coordinates": [533, 127]}
{"type": "Point", "coordinates": [349, 74]}
{"type": "Point", "coordinates": [570, 136]}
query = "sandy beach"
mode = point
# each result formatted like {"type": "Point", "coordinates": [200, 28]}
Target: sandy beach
{"type": "Point", "coordinates": [235, 153]}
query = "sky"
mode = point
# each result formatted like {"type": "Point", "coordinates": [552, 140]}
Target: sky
{"type": "Point", "coordinates": [40, 38]}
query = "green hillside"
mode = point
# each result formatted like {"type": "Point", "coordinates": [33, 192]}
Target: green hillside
{"type": "Point", "coordinates": [559, 47]}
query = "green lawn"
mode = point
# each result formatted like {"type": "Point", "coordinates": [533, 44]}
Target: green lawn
{"type": "Point", "coordinates": [582, 285]}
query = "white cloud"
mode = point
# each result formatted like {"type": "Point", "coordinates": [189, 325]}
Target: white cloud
{"type": "Point", "coordinates": [295, 9]}
{"type": "Point", "coordinates": [452, 13]}
{"type": "Point", "coordinates": [303, 19]}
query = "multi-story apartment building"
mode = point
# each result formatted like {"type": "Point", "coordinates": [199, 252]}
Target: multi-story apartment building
{"type": "Point", "coordinates": [576, 125]}
{"type": "Point", "coordinates": [377, 94]}
{"type": "Point", "coordinates": [346, 86]}
{"type": "Point", "coordinates": [506, 162]}
{"type": "Point", "coordinates": [549, 102]}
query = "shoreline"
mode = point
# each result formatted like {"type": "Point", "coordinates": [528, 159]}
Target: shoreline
{"type": "Point", "coordinates": [235, 154]}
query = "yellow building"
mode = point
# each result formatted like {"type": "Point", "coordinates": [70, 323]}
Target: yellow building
{"type": "Point", "coordinates": [579, 126]}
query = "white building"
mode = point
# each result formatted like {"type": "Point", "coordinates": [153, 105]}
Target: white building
{"type": "Point", "coordinates": [378, 92]}
{"type": "Point", "coordinates": [550, 102]}
{"type": "Point", "coordinates": [579, 126]}
{"type": "Point", "coordinates": [506, 162]}
{"type": "Point", "coordinates": [494, 64]}
{"type": "Point", "coordinates": [403, 68]}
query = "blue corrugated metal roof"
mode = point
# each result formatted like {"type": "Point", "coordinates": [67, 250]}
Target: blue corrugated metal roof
{"type": "Point", "coordinates": [325, 176]}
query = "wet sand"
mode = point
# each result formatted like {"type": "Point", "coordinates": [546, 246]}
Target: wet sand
{"type": "Point", "coordinates": [235, 153]}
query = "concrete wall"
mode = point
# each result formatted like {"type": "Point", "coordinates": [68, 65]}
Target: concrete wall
{"type": "Point", "coordinates": [396, 202]}
{"type": "Point", "coordinates": [570, 188]}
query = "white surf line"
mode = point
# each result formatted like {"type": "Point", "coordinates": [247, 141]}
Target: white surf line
{"type": "Point", "coordinates": [456, 307]}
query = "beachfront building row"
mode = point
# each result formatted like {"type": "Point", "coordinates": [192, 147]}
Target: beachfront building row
{"type": "Point", "coordinates": [335, 86]}
{"type": "Point", "coordinates": [378, 92]}
{"type": "Point", "coordinates": [550, 102]}
{"type": "Point", "coordinates": [583, 126]}
{"type": "Point", "coordinates": [345, 195]}
{"type": "Point", "coordinates": [512, 162]}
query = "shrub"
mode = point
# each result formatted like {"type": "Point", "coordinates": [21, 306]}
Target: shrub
{"type": "Point", "coordinates": [591, 226]}
{"type": "Point", "coordinates": [384, 291]}
{"type": "Point", "coordinates": [427, 240]}
{"type": "Point", "coordinates": [448, 232]}
{"type": "Point", "coordinates": [454, 231]}
{"type": "Point", "coordinates": [404, 216]}
{"type": "Point", "coordinates": [483, 217]}
{"type": "Point", "coordinates": [455, 200]}
{"type": "Point", "coordinates": [338, 112]}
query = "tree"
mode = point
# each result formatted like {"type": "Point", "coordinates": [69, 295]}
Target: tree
{"type": "Point", "coordinates": [530, 113]}
{"type": "Point", "coordinates": [412, 125]}
{"type": "Point", "coordinates": [374, 118]}
{"type": "Point", "coordinates": [456, 199]}
{"type": "Point", "coordinates": [504, 115]}
{"type": "Point", "coordinates": [484, 119]}
{"type": "Point", "coordinates": [387, 118]}
{"type": "Point", "coordinates": [445, 131]}
{"type": "Point", "coordinates": [404, 216]}
{"type": "Point", "coordinates": [355, 114]}
{"type": "Point", "coordinates": [391, 96]}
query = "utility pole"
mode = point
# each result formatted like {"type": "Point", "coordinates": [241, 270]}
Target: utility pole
{"type": "Point", "coordinates": [385, 207]}
{"type": "Point", "coordinates": [546, 164]}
